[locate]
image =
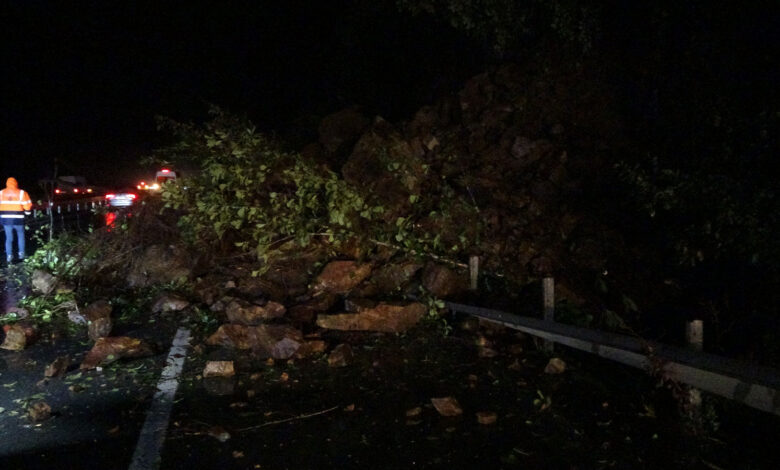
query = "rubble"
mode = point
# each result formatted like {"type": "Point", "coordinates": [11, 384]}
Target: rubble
{"type": "Point", "coordinates": [340, 356]}
{"type": "Point", "coordinates": [109, 349]}
{"type": "Point", "coordinates": [340, 277]}
{"type": "Point", "coordinates": [169, 302]}
{"type": "Point", "coordinates": [384, 317]}
{"type": "Point", "coordinates": [244, 313]}
{"type": "Point", "coordinates": [219, 369]}
{"type": "Point", "coordinates": [275, 341]}
{"type": "Point", "coordinates": [447, 406]}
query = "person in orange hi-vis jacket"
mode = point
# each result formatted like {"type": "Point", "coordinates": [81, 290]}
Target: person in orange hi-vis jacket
{"type": "Point", "coordinates": [14, 202]}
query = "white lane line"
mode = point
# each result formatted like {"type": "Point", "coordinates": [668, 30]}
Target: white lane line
{"type": "Point", "coordinates": [147, 452]}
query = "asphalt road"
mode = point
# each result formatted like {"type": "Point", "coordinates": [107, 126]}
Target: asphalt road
{"type": "Point", "coordinates": [96, 415]}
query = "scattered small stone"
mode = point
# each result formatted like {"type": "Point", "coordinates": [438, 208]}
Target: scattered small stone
{"type": "Point", "coordinates": [39, 411]}
{"type": "Point", "coordinates": [255, 376]}
{"type": "Point", "coordinates": [169, 302]}
{"type": "Point", "coordinates": [43, 282]}
{"type": "Point", "coordinates": [237, 454]}
{"type": "Point", "coordinates": [97, 309]}
{"type": "Point", "coordinates": [219, 369]}
{"type": "Point", "coordinates": [414, 412]}
{"type": "Point", "coordinates": [515, 349]}
{"type": "Point", "coordinates": [487, 352]}
{"type": "Point", "coordinates": [219, 433]}
{"type": "Point", "coordinates": [113, 430]}
{"type": "Point", "coordinates": [555, 366]}
{"type": "Point", "coordinates": [486, 417]}
{"type": "Point", "coordinates": [99, 328]}
{"type": "Point", "coordinates": [76, 388]}
{"type": "Point", "coordinates": [284, 377]}
{"type": "Point", "coordinates": [447, 406]}
{"type": "Point", "coordinates": [250, 393]}
{"type": "Point", "coordinates": [77, 317]}
{"type": "Point", "coordinates": [58, 367]}
{"type": "Point", "coordinates": [309, 348]}
{"type": "Point", "coordinates": [340, 356]}
{"type": "Point", "coordinates": [15, 338]}
{"type": "Point", "coordinates": [350, 407]}
{"type": "Point", "coordinates": [230, 284]}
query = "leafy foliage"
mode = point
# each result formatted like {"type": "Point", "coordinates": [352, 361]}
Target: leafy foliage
{"type": "Point", "coordinates": [505, 24]}
{"type": "Point", "coordinates": [252, 195]}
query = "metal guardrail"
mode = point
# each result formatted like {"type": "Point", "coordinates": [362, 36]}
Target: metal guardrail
{"type": "Point", "coordinates": [753, 385]}
{"type": "Point", "coordinates": [66, 206]}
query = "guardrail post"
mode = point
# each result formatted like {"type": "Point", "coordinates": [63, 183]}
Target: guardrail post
{"type": "Point", "coordinates": [694, 334]}
{"type": "Point", "coordinates": [694, 337]}
{"type": "Point", "coordinates": [548, 300]}
{"type": "Point", "coordinates": [474, 272]}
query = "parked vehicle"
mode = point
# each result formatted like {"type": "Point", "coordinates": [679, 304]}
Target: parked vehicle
{"type": "Point", "coordinates": [163, 176]}
{"type": "Point", "coordinates": [122, 198]}
{"type": "Point", "coordinates": [71, 187]}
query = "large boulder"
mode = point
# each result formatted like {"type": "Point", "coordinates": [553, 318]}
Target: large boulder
{"type": "Point", "coordinates": [384, 317]}
{"type": "Point", "coordinates": [245, 313]}
{"type": "Point", "coordinates": [384, 162]}
{"type": "Point", "coordinates": [98, 315]}
{"type": "Point", "coordinates": [340, 277]}
{"type": "Point", "coordinates": [15, 338]}
{"type": "Point", "coordinates": [160, 264]}
{"type": "Point", "coordinates": [339, 131]}
{"type": "Point", "coordinates": [43, 282]}
{"type": "Point", "coordinates": [276, 341]}
{"type": "Point", "coordinates": [442, 281]}
{"type": "Point", "coordinates": [390, 278]}
{"type": "Point", "coordinates": [110, 349]}
{"type": "Point", "coordinates": [169, 302]}
{"type": "Point", "coordinates": [306, 313]}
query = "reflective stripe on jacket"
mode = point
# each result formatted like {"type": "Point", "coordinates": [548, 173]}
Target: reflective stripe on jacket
{"type": "Point", "coordinates": [12, 206]}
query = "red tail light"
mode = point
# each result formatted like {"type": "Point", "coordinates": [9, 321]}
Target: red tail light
{"type": "Point", "coordinates": [57, 191]}
{"type": "Point", "coordinates": [133, 196]}
{"type": "Point", "coordinates": [110, 196]}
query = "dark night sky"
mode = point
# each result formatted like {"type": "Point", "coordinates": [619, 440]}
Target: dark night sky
{"type": "Point", "coordinates": [82, 81]}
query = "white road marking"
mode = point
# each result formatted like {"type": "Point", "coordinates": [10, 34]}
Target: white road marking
{"type": "Point", "coordinates": [147, 452]}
